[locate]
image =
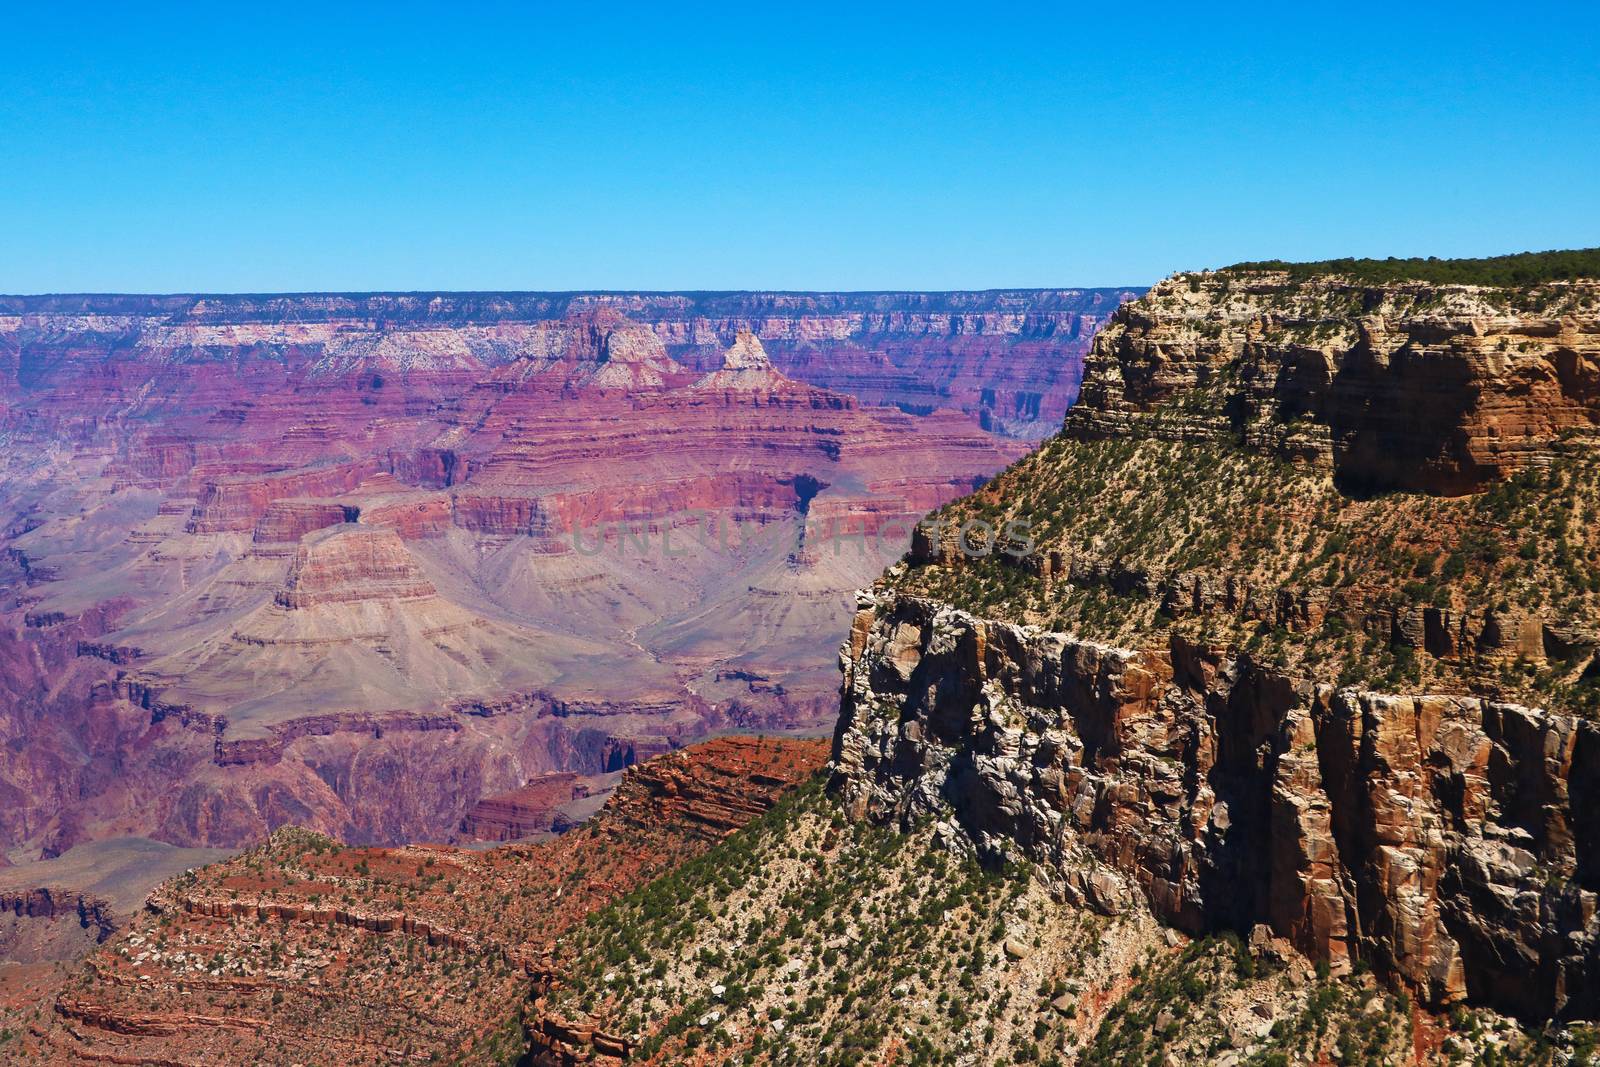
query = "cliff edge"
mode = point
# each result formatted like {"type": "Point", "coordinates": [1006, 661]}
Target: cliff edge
{"type": "Point", "coordinates": [1292, 624]}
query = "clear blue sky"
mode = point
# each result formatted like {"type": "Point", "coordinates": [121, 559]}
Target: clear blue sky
{"type": "Point", "coordinates": [157, 148]}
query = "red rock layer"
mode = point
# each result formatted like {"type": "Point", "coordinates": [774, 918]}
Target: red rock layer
{"type": "Point", "coordinates": [304, 950]}
{"type": "Point", "coordinates": [346, 565]}
{"type": "Point", "coordinates": [290, 520]}
{"type": "Point", "coordinates": [238, 502]}
{"type": "Point", "coordinates": [527, 810]}
{"type": "Point", "coordinates": [52, 922]}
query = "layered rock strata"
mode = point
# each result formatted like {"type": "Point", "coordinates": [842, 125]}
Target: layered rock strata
{"type": "Point", "coordinates": [1289, 626]}
{"type": "Point", "coordinates": [1418, 386]}
{"type": "Point", "coordinates": [1010, 357]}
{"type": "Point", "coordinates": [302, 949]}
{"type": "Point", "coordinates": [533, 808]}
{"type": "Point", "coordinates": [357, 563]}
{"type": "Point", "coordinates": [1444, 840]}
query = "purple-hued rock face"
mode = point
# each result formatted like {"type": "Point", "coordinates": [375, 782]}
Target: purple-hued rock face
{"type": "Point", "coordinates": [312, 559]}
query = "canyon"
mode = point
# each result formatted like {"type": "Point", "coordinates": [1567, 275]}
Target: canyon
{"type": "Point", "coordinates": [1248, 719]}
{"type": "Point", "coordinates": [357, 563]}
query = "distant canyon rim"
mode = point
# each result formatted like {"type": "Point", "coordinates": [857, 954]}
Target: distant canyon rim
{"type": "Point", "coordinates": [389, 566]}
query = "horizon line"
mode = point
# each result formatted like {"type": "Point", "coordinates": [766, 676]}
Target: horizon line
{"type": "Point", "coordinates": [195, 293]}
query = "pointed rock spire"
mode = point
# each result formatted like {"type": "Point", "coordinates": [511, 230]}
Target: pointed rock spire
{"type": "Point", "coordinates": [745, 367]}
{"type": "Point", "coordinates": [746, 353]}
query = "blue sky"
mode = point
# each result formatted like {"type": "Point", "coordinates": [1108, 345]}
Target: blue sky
{"type": "Point", "coordinates": [160, 148]}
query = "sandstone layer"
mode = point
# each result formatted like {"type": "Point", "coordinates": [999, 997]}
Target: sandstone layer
{"type": "Point", "coordinates": [1443, 840]}
{"type": "Point", "coordinates": [534, 808]}
{"type": "Point", "coordinates": [1435, 388]}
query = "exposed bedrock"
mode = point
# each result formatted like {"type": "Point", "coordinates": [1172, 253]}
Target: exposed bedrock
{"type": "Point", "coordinates": [1448, 841]}
{"type": "Point", "coordinates": [530, 809]}
{"type": "Point", "coordinates": [231, 963]}
{"type": "Point", "coordinates": [348, 564]}
{"type": "Point", "coordinates": [49, 922]}
{"type": "Point", "coordinates": [1434, 388]}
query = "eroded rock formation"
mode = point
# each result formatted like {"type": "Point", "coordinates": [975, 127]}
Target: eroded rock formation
{"type": "Point", "coordinates": [1418, 386]}
{"type": "Point", "coordinates": [357, 562]}
{"type": "Point", "coordinates": [1293, 632]}
{"type": "Point", "coordinates": [533, 808]}
{"type": "Point", "coordinates": [1442, 839]}
{"type": "Point", "coordinates": [45, 923]}
{"type": "Point", "coordinates": [302, 949]}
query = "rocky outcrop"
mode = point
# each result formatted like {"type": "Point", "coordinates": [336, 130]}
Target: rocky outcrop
{"type": "Point", "coordinates": [239, 502]}
{"type": "Point", "coordinates": [349, 564]}
{"type": "Point", "coordinates": [302, 950]}
{"type": "Point", "coordinates": [287, 521]}
{"type": "Point", "coordinates": [618, 353]}
{"type": "Point", "coordinates": [531, 808]}
{"type": "Point", "coordinates": [270, 749]}
{"type": "Point", "coordinates": [745, 367]}
{"type": "Point", "coordinates": [91, 912]}
{"type": "Point", "coordinates": [704, 793]}
{"type": "Point", "coordinates": [1433, 388]}
{"type": "Point", "coordinates": [712, 789]}
{"type": "Point", "coordinates": [414, 516]}
{"type": "Point", "coordinates": [622, 751]}
{"type": "Point", "coordinates": [53, 923]}
{"type": "Point", "coordinates": [1444, 840]}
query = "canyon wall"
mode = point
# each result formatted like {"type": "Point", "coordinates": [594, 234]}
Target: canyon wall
{"type": "Point", "coordinates": [47, 923]}
{"type": "Point", "coordinates": [1010, 357]}
{"type": "Point", "coordinates": [359, 562]}
{"type": "Point", "coordinates": [1298, 635]}
{"type": "Point", "coordinates": [1445, 840]}
{"type": "Point", "coordinates": [1417, 386]}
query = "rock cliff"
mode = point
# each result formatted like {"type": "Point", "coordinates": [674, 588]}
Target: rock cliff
{"type": "Point", "coordinates": [1289, 626]}
{"type": "Point", "coordinates": [1443, 840]}
{"type": "Point", "coordinates": [352, 565]}
{"type": "Point", "coordinates": [1210, 485]}
{"type": "Point", "coordinates": [1415, 385]}
{"type": "Point", "coordinates": [50, 922]}
{"type": "Point", "coordinates": [534, 808]}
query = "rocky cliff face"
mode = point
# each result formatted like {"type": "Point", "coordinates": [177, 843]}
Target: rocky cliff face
{"type": "Point", "coordinates": [47, 923]}
{"type": "Point", "coordinates": [1444, 840]}
{"type": "Point", "coordinates": [534, 808]}
{"type": "Point", "coordinates": [349, 565]}
{"type": "Point", "coordinates": [1285, 628]}
{"type": "Point", "coordinates": [1435, 388]}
